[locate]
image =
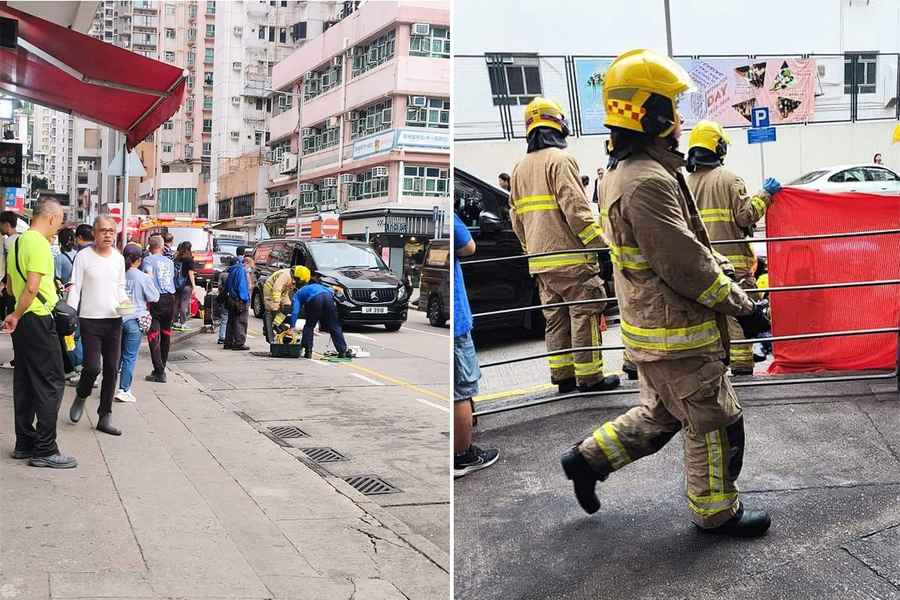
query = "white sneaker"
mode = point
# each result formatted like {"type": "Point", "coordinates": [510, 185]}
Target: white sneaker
{"type": "Point", "coordinates": [7, 365]}
{"type": "Point", "coordinates": [125, 396]}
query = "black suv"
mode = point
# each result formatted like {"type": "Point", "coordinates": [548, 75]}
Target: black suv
{"type": "Point", "coordinates": [366, 290]}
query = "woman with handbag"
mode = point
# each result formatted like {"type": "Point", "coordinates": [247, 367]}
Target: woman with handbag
{"type": "Point", "coordinates": [141, 289]}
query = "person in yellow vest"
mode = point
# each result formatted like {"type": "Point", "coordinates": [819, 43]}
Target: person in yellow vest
{"type": "Point", "coordinates": [729, 213]}
{"type": "Point", "coordinates": [673, 297]}
{"type": "Point", "coordinates": [550, 212]}
{"type": "Point", "coordinates": [277, 293]}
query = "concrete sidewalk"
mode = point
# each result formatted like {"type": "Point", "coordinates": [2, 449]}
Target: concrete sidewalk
{"type": "Point", "coordinates": [824, 460]}
{"type": "Point", "coordinates": [194, 502]}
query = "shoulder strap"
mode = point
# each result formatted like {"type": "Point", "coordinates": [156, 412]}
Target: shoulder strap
{"type": "Point", "coordinates": [40, 296]}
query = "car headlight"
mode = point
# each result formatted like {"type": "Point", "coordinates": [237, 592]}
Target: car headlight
{"type": "Point", "coordinates": [338, 292]}
{"type": "Point", "coordinates": [401, 292]}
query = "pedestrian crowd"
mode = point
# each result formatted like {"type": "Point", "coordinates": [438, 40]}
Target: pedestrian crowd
{"type": "Point", "coordinates": [80, 316]}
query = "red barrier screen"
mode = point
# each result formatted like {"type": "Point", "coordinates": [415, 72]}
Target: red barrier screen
{"type": "Point", "coordinates": [837, 260]}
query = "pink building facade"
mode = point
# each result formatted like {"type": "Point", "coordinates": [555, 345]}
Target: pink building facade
{"type": "Point", "coordinates": [368, 123]}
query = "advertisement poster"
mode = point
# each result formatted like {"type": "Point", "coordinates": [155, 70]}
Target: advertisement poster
{"type": "Point", "coordinates": [14, 199]}
{"type": "Point", "coordinates": [727, 90]}
{"type": "Point", "coordinates": [10, 164]}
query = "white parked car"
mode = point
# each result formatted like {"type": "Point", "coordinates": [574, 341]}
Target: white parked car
{"type": "Point", "coordinates": [868, 179]}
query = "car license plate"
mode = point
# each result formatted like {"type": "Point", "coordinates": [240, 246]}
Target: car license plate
{"type": "Point", "coordinates": [374, 310]}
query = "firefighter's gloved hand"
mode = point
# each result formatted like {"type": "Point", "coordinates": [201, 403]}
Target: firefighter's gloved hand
{"type": "Point", "coordinates": [756, 322]}
{"type": "Point", "coordinates": [728, 269]}
{"type": "Point", "coordinates": [771, 186]}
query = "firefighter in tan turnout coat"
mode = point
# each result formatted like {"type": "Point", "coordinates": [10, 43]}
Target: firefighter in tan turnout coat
{"type": "Point", "coordinates": [729, 213]}
{"type": "Point", "coordinates": [549, 212]}
{"type": "Point", "coordinates": [673, 298]}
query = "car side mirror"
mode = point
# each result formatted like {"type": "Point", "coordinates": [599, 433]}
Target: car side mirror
{"type": "Point", "coordinates": [489, 222]}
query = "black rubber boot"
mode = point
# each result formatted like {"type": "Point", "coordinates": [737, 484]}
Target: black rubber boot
{"type": "Point", "coordinates": [567, 387]}
{"type": "Point", "coordinates": [583, 478]}
{"type": "Point", "coordinates": [105, 425]}
{"type": "Point", "coordinates": [631, 371]}
{"type": "Point", "coordinates": [745, 524]}
{"type": "Point", "coordinates": [610, 382]}
{"type": "Point", "coordinates": [307, 352]}
{"type": "Point", "coordinates": [77, 409]}
{"type": "Point", "coordinates": [739, 371]}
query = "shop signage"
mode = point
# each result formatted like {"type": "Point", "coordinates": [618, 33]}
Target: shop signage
{"type": "Point", "coordinates": [374, 144]}
{"type": "Point", "coordinates": [10, 164]}
{"type": "Point", "coordinates": [423, 139]}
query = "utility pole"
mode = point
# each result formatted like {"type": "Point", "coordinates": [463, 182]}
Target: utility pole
{"type": "Point", "coordinates": [668, 28]}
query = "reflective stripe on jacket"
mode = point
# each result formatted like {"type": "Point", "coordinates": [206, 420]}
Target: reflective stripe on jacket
{"type": "Point", "coordinates": [672, 292]}
{"type": "Point", "coordinates": [728, 212]}
{"type": "Point", "coordinates": [277, 288]}
{"type": "Point", "coordinates": [549, 211]}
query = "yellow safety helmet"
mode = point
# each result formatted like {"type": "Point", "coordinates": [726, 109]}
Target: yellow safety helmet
{"type": "Point", "coordinates": [709, 135]}
{"type": "Point", "coordinates": [641, 90]}
{"type": "Point", "coordinates": [896, 136]}
{"type": "Point", "coordinates": [301, 273]}
{"type": "Point", "coordinates": [542, 112]}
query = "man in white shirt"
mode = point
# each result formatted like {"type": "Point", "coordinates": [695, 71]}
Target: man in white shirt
{"type": "Point", "coordinates": [8, 222]}
{"type": "Point", "coordinates": [98, 291]}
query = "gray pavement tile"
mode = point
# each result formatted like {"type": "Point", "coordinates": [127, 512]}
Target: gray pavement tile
{"type": "Point", "coordinates": [103, 584]}
{"type": "Point", "coordinates": [23, 585]}
{"type": "Point", "coordinates": [880, 552]}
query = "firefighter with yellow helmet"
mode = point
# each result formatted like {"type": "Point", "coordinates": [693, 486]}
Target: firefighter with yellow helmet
{"type": "Point", "coordinates": [550, 212]}
{"type": "Point", "coordinates": [277, 292]}
{"type": "Point", "coordinates": [729, 213]}
{"type": "Point", "coordinates": [673, 298]}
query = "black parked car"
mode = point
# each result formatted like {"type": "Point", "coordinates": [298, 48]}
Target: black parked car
{"type": "Point", "coordinates": [499, 285]}
{"type": "Point", "coordinates": [434, 283]}
{"type": "Point", "coordinates": [366, 290]}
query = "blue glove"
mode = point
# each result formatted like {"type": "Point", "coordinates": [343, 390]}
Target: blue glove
{"type": "Point", "coordinates": [771, 186]}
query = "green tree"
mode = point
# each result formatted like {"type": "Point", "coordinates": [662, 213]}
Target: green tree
{"type": "Point", "coordinates": [38, 183]}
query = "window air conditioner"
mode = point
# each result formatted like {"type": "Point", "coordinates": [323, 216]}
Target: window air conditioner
{"type": "Point", "coordinates": [306, 187]}
{"type": "Point", "coordinates": [235, 135]}
{"type": "Point", "coordinates": [379, 172]}
{"type": "Point", "coordinates": [329, 182]}
{"type": "Point", "coordinates": [353, 115]}
{"type": "Point", "coordinates": [238, 31]}
{"type": "Point", "coordinates": [307, 131]}
{"type": "Point", "coordinates": [236, 100]}
{"type": "Point", "coordinates": [348, 178]}
{"type": "Point", "coordinates": [421, 29]}
{"type": "Point", "coordinates": [420, 101]}
{"type": "Point", "coordinates": [236, 66]}
{"type": "Point", "coordinates": [337, 61]}
{"type": "Point", "coordinates": [333, 122]}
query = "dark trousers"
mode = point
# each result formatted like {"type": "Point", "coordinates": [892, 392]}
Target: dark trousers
{"type": "Point", "coordinates": [160, 335]}
{"type": "Point", "coordinates": [236, 330]}
{"type": "Point", "coordinates": [102, 341]}
{"type": "Point", "coordinates": [38, 384]}
{"type": "Point", "coordinates": [182, 308]}
{"type": "Point", "coordinates": [322, 309]}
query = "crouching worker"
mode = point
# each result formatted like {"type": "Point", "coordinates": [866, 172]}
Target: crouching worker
{"type": "Point", "coordinates": [318, 299]}
{"type": "Point", "coordinates": [277, 293]}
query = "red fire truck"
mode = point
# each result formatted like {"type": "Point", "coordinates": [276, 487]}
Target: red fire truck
{"type": "Point", "coordinates": [185, 229]}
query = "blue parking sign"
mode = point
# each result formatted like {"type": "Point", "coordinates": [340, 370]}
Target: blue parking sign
{"type": "Point", "coordinates": [759, 116]}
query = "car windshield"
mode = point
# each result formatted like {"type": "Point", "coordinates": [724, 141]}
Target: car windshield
{"type": "Point", "coordinates": [808, 178]}
{"type": "Point", "coordinates": [199, 238]}
{"type": "Point", "coordinates": [342, 255]}
{"type": "Point", "coordinates": [226, 246]}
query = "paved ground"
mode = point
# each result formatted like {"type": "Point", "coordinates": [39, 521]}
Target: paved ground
{"type": "Point", "coordinates": [823, 459]}
{"type": "Point", "coordinates": [200, 499]}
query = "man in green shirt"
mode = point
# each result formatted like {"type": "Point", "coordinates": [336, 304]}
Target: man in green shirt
{"type": "Point", "coordinates": [38, 380]}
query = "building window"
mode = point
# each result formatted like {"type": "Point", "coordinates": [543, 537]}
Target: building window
{"type": "Point", "coordinates": [170, 9]}
{"type": "Point", "coordinates": [243, 206]}
{"type": "Point", "coordinates": [207, 148]}
{"type": "Point", "coordinates": [224, 208]}
{"type": "Point", "coordinates": [189, 129]}
{"type": "Point", "coordinates": [422, 111]}
{"type": "Point", "coordinates": [282, 35]}
{"type": "Point", "coordinates": [167, 148]}
{"type": "Point", "coordinates": [277, 199]}
{"type": "Point", "coordinates": [298, 31]}
{"type": "Point", "coordinates": [283, 102]}
{"type": "Point", "coordinates": [319, 138]}
{"type": "Point", "coordinates": [192, 10]}
{"type": "Point", "coordinates": [207, 125]}
{"type": "Point", "coordinates": [169, 125]}
{"type": "Point", "coordinates": [258, 137]}
{"type": "Point", "coordinates": [188, 152]}
{"type": "Point", "coordinates": [320, 82]}
{"type": "Point", "coordinates": [191, 34]}
{"type": "Point", "coordinates": [210, 30]}
{"type": "Point", "coordinates": [369, 185]}
{"type": "Point", "coordinates": [177, 200]}
{"type": "Point", "coordinates": [170, 57]}
{"type": "Point", "coordinates": [376, 52]}
{"type": "Point", "coordinates": [170, 33]}
{"type": "Point", "coordinates": [866, 70]}
{"type": "Point", "coordinates": [372, 119]}
{"type": "Point", "coordinates": [207, 102]}
{"type": "Point", "coordinates": [284, 3]}
{"type": "Point", "coordinates": [191, 57]}
{"type": "Point", "coordinates": [436, 44]}
{"type": "Point", "coordinates": [208, 55]}
{"type": "Point", "coordinates": [425, 181]}
{"type": "Point", "coordinates": [211, 7]}
{"type": "Point", "coordinates": [262, 32]}
{"type": "Point", "coordinates": [190, 85]}
{"type": "Point", "coordinates": [309, 199]}
{"type": "Point", "coordinates": [271, 34]}
{"type": "Point", "coordinates": [208, 78]}
{"type": "Point", "coordinates": [279, 149]}
{"type": "Point", "coordinates": [515, 82]}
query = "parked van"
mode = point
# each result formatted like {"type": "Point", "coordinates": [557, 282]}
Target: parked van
{"type": "Point", "coordinates": [366, 291]}
{"type": "Point", "coordinates": [434, 283]}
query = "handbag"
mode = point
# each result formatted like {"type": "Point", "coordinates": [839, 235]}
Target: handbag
{"type": "Point", "coordinates": [144, 322]}
{"type": "Point", "coordinates": [64, 316]}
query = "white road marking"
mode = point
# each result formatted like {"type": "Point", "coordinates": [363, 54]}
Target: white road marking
{"type": "Point", "coordinates": [361, 336]}
{"type": "Point", "coordinates": [433, 405]}
{"type": "Point", "coordinates": [425, 332]}
{"type": "Point", "coordinates": [366, 379]}
{"type": "Point", "coordinates": [321, 362]}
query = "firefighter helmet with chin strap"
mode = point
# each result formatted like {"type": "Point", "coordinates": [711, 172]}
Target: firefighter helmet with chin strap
{"type": "Point", "coordinates": [708, 143]}
{"type": "Point", "coordinates": [641, 90]}
{"type": "Point", "coordinates": [542, 112]}
{"type": "Point", "coordinates": [301, 273]}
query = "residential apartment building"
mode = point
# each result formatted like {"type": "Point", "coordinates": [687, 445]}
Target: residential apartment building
{"type": "Point", "coordinates": [52, 143]}
{"type": "Point", "coordinates": [252, 37]}
{"type": "Point", "coordinates": [373, 112]}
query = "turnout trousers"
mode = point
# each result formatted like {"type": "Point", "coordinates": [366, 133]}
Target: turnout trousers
{"type": "Point", "coordinates": [573, 326]}
{"type": "Point", "coordinates": [694, 396]}
{"type": "Point", "coordinates": [741, 356]}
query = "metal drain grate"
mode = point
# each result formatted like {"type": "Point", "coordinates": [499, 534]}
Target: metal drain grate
{"type": "Point", "coordinates": [371, 485]}
{"type": "Point", "coordinates": [322, 455]}
{"type": "Point", "coordinates": [288, 432]}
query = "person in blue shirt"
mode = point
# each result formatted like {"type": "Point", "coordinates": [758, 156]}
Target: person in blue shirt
{"type": "Point", "coordinates": [320, 308]}
{"type": "Point", "coordinates": [237, 287]}
{"type": "Point", "coordinates": [467, 457]}
{"type": "Point", "coordinates": [162, 273]}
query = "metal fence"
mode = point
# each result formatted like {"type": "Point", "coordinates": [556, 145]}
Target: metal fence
{"type": "Point", "coordinates": [492, 89]}
{"type": "Point", "coordinates": [895, 375]}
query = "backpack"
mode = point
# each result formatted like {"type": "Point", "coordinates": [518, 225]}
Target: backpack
{"type": "Point", "coordinates": [180, 277]}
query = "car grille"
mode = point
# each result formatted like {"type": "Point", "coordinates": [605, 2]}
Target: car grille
{"type": "Point", "coordinates": [374, 295]}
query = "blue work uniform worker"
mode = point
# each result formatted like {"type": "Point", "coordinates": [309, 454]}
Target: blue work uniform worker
{"type": "Point", "coordinates": [320, 308]}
